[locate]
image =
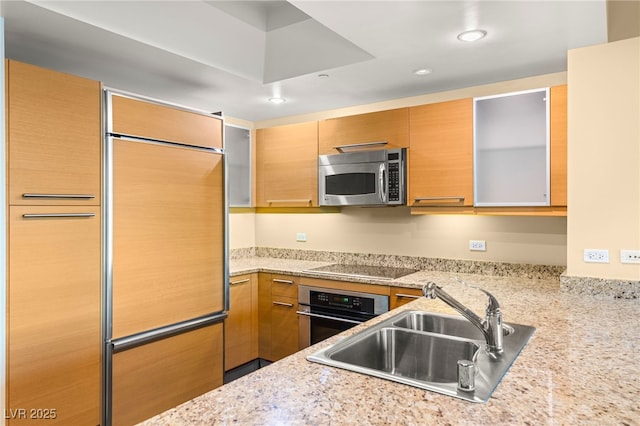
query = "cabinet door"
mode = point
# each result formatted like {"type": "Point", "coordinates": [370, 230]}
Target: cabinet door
{"type": "Point", "coordinates": [264, 316]}
{"type": "Point", "coordinates": [135, 117]}
{"type": "Point", "coordinates": [558, 130]}
{"type": "Point", "coordinates": [287, 166]}
{"type": "Point", "coordinates": [399, 296]}
{"type": "Point", "coordinates": [391, 126]}
{"type": "Point", "coordinates": [241, 326]}
{"type": "Point", "coordinates": [54, 137]}
{"type": "Point", "coordinates": [511, 145]}
{"type": "Point", "coordinates": [152, 378]}
{"type": "Point", "coordinates": [54, 325]}
{"type": "Point", "coordinates": [284, 327]}
{"type": "Point", "coordinates": [441, 154]}
{"type": "Point", "coordinates": [168, 235]}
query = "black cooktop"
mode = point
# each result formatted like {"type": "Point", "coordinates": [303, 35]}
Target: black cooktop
{"type": "Point", "coordinates": [370, 271]}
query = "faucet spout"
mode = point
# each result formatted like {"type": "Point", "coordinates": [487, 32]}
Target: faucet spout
{"type": "Point", "coordinates": [491, 327]}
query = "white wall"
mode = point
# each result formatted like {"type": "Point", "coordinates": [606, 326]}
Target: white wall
{"type": "Point", "coordinates": [394, 231]}
{"type": "Point", "coordinates": [604, 157]}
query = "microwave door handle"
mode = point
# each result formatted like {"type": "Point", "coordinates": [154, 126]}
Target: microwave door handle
{"type": "Point", "coordinates": [382, 182]}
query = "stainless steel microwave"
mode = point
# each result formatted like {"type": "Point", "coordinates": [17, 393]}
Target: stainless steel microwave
{"type": "Point", "coordinates": [363, 178]}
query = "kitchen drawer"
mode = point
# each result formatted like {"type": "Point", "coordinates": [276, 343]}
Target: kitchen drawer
{"type": "Point", "coordinates": [284, 285]}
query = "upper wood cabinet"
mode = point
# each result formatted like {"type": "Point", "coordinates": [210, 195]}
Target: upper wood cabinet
{"type": "Point", "coordinates": [241, 325]}
{"type": "Point", "coordinates": [441, 154]}
{"type": "Point", "coordinates": [391, 126]}
{"type": "Point", "coordinates": [136, 117]}
{"type": "Point", "coordinates": [53, 315]}
{"type": "Point", "coordinates": [54, 137]}
{"type": "Point", "coordinates": [558, 130]}
{"type": "Point", "coordinates": [287, 166]}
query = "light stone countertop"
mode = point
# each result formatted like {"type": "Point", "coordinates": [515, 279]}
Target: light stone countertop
{"type": "Point", "coordinates": [580, 367]}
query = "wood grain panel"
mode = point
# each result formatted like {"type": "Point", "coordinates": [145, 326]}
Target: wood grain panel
{"type": "Point", "coordinates": [287, 166]}
{"type": "Point", "coordinates": [150, 379]}
{"type": "Point", "coordinates": [441, 152]}
{"type": "Point", "coordinates": [346, 285]}
{"type": "Point", "coordinates": [284, 285]}
{"type": "Point", "coordinates": [54, 135]}
{"type": "Point", "coordinates": [241, 326]}
{"type": "Point", "coordinates": [284, 327]}
{"type": "Point", "coordinates": [145, 119]}
{"type": "Point", "coordinates": [558, 132]}
{"type": "Point", "coordinates": [397, 296]}
{"type": "Point", "coordinates": [54, 323]}
{"type": "Point", "coordinates": [264, 315]}
{"type": "Point", "coordinates": [391, 126]}
{"type": "Point", "coordinates": [168, 235]}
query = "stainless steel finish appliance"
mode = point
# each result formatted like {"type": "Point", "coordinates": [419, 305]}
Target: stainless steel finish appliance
{"type": "Point", "coordinates": [326, 312]}
{"type": "Point", "coordinates": [363, 178]}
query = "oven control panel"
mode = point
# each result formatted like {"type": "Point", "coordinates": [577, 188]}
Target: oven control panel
{"type": "Point", "coordinates": [342, 301]}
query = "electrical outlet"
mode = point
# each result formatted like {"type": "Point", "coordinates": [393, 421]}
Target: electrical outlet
{"type": "Point", "coordinates": [596, 256]}
{"type": "Point", "coordinates": [301, 237]}
{"type": "Point", "coordinates": [630, 256]}
{"type": "Point", "coordinates": [477, 245]}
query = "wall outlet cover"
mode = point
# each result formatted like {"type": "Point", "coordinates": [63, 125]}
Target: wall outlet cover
{"type": "Point", "coordinates": [596, 255]}
{"type": "Point", "coordinates": [477, 245]}
{"type": "Point", "coordinates": [301, 237]}
{"type": "Point", "coordinates": [630, 256]}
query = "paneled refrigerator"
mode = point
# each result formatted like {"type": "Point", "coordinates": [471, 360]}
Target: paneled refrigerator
{"type": "Point", "coordinates": [165, 255]}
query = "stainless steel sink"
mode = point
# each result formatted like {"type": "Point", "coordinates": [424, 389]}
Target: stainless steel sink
{"type": "Point", "coordinates": [422, 349]}
{"type": "Point", "coordinates": [400, 352]}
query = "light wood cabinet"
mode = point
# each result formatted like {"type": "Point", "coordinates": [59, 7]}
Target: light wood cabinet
{"type": "Point", "coordinates": [54, 137]}
{"type": "Point", "coordinates": [152, 378]}
{"type": "Point", "coordinates": [399, 296]}
{"type": "Point", "coordinates": [166, 199]}
{"type": "Point", "coordinates": [391, 126]}
{"type": "Point", "coordinates": [241, 325]}
{"type": "Point", "coordinates": [278, 333]}
{"type": "Point", "coordinates": [53, 315]}
{"type": "Point", "coordinates": [441, 154]}
{"type": "Point", "coordinates": [287, 166]}
{"type": "Point", "coordinates": [141, 118]}
{"type": "Point", "coordinates": [558, 130]}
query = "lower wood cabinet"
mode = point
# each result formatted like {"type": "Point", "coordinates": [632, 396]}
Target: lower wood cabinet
{"type": "Point", "coordinates": [399, 296]}
{"type": "Point", "coordinates": [53, 316]}
{"type": "Point", "coordinates": [241, 325]}
{"type": "Point", "coordinates": [278, 303]}
{"type": "Point", "coordinates": [152, 378]}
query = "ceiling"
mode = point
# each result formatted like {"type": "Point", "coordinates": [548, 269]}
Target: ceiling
{"type": "Point", "coordinates": [232, 56]}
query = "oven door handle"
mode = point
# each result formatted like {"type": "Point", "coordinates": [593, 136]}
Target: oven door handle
{"type": "Point", "coordinates": [309, 314]}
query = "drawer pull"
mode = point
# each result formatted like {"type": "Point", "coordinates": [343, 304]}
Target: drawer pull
{"type": "Point", "coordinates": [57, 196]}
{"type": "Point", "coordinates": [419, 200]}
{"type": "Point", "coordinates": [300, 200]}
{"type": "Point", "coordinates": [408, 296]}
{"type": "Point", "coordinates": [288, 305]}
{"type": "Point", "coordinates": [52, 215]}
{"type": "Point", "coordinates": [275, 280]}
{"type": "Point", "coordinates": [240, 281]}
{"type": "Point", "coordinates": [344, 148]}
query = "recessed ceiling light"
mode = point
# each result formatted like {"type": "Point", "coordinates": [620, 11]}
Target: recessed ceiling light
{"type": "Point", "coordinates": [323, 75]}
{"type": "Point", "coordinates": [277, 100]}
{"type": "Point", "coordinates": [472, 35]}
{"type": "Point", "coordinates": [423, 71]}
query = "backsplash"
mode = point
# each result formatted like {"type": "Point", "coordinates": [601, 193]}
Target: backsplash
{"type": "Point", "coordinates": [423, 263]}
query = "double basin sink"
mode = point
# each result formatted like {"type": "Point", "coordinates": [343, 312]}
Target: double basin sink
{"type": "Point", "coordinates": [422, 349]}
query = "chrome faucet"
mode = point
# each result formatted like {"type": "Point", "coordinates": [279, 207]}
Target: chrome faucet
{"type": "Point", "coordinates": [491, 326]}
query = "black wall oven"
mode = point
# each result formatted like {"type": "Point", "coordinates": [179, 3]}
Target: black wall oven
{"type": "Point", "coordinates": [326, 312]}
